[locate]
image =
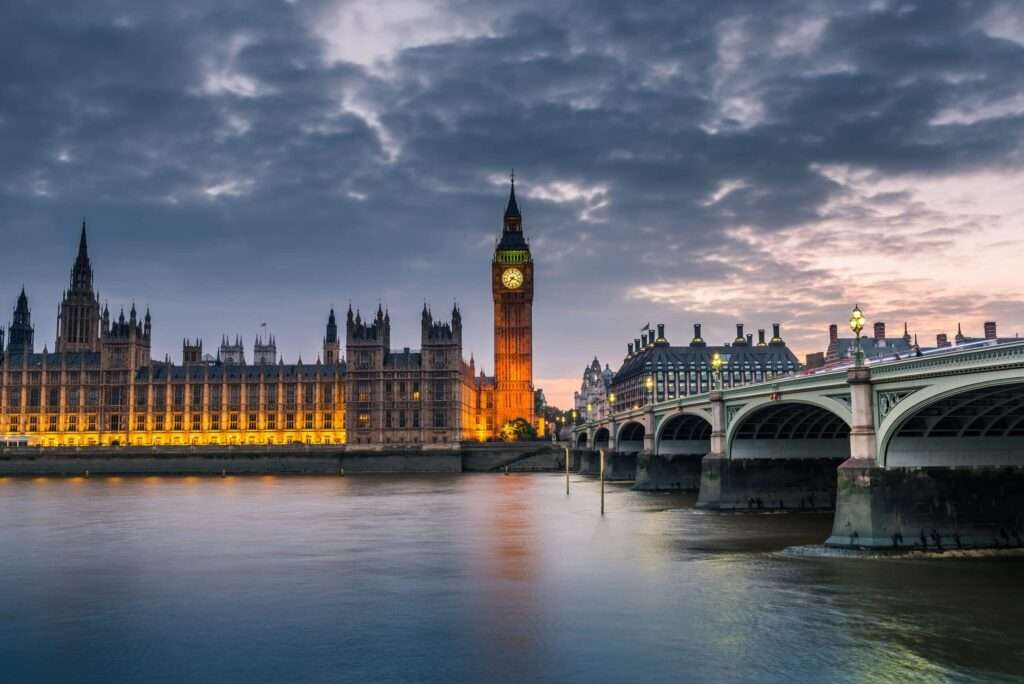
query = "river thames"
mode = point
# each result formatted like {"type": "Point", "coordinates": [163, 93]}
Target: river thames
{"type": "Point", "coordinates": [469, 578]}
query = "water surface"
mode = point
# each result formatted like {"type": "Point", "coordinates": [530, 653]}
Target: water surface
{"type": "Point", "coordinates": [468, 578]}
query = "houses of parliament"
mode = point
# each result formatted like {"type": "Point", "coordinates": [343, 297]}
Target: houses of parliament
{"type": "Point", "coordinates": [100, 386]}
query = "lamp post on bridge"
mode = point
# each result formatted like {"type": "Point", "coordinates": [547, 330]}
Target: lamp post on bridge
{"type": "Point", "coordinates": [857, 321]}
{"type": "Point", "coordinates": [716, 371]}
{"type": "Point", "coordinates": [649, 387]}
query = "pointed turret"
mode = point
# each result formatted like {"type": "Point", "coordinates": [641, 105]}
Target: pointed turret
{"type": "Point", "coordinates": [512, 208]}
{"type": "Point", "coordinates": [332, 328]}
{"type": "Point", "coordinates": [21, 334]}
{"type": "Point", "coordinates": [332, 347]}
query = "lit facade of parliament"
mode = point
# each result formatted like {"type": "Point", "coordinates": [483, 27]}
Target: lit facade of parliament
{"type": "Point", "coordinates": [100, 385]}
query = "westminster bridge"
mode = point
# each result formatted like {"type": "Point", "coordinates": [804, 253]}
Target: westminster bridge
{"type": "Point", "coordinates": [920, 452]}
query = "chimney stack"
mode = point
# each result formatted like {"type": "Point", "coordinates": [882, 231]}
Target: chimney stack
{"type": "Point", "coordinates": [760, 337]}
{"type": "Point", "coordinates": [661, 331]}
{"type": "Point", "coordinates": [630, 347]}
{"type": "Point", "coordinates": [750, 339]}
{"type": "Point", "coordinates": [880, 330]}
{"type": "Point", "coordinates": [833, 332]}
{"type": "Point", "coordinates": [941, 340]}
{"type": "Point", "coordinates": [739, 334]}
{"type": "Point", "coordinates": [636, 345]}
{"type": "Point", "coordinates": [697, 340]}
{"type": "Point", "coordinates": [990, 330]}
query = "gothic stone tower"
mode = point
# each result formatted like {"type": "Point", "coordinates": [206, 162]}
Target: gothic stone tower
{"type": "Point", "coordinates": [78, 316]}
{"type": "Point", "coordinates": [332, 348]}
{"type": "Point", "coordinates": [512, 289]}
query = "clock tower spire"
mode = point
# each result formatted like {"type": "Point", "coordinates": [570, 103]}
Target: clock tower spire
{"type": "Point", "coordinates": [512, 290]}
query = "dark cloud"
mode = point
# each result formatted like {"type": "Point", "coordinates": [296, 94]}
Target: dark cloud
{"type": "Point", "coordinates": [234, 173]}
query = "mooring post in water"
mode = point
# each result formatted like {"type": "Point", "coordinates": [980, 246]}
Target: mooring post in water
{"type": "Point", "coordinates": [568, 456]}
{"type": "Point", "coordinates": [601, 451]}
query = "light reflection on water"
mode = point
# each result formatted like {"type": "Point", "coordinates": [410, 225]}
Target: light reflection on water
{"type": "Point", "coordinates": [468, 578]}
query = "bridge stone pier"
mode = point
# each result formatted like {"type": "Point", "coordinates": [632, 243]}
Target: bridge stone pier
{"type": "Point", "coordinates": [925, 452]}
{"type": "Point", "coordinates": [674, 462]}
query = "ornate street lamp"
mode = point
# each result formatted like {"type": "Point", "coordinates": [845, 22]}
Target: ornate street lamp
{"type": "Point", "coordinates": [857, 321]}
{"type": "Point", "coordinates": [716, 370]}
{"type": "Point", "coordinates": [649, 386]}
{"type": "Point", "coordinates": [590, 412]}
{"type": "Point", "coordinates": [611, 402]}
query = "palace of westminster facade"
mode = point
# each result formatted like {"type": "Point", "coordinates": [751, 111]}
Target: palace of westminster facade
{"type": "Point", "coordinates": [100, 385]}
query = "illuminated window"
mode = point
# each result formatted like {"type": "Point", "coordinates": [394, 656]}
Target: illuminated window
{"type": "Point", "coordinates": [233, 421]}
{"type": "Point", "coordinates": [158, 423]}
{"type": "Point", "coordinates": [309, 421]}
{"type": "Point", "coordinates": [140, 423]}
{"type": "Point", "coordinates": [328, 421]}
{"type": "Point", "coordinates": [197, 422]}
{"type": "Point", "coordinates": [52, 424]}
{"type": "Point", "coordinates": [215, 421]}
{"type": "Point", "coordinates": [12, 425]}
{"type": "Point", "coordinates": [252, 421]}
{"type": "Point", "coordinates": [364, 420]}
{"type": "Point", "coordinates": [271, 421]}
{"type": "Point", "coordinates": [73, 423]}
{"type": "Point", "coordinates": [363, 392]}
{"type": "Point", "coordinates": [33, 424]}
{"type": "Point", "coordinates": [91, 423]}
{"type": "Point", "coordinates": [115, 423]}
{"type": "Point", "coordinates": [178, 422]}
{"type": "Point", "coordinates": [289, 421]}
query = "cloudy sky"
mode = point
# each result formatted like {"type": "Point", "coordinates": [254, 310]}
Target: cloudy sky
{"type": "Point", "coordinates": [720, 161]}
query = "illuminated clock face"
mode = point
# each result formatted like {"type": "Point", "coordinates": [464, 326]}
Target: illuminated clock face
{"type": "Point", "coordinates": [512, 278]}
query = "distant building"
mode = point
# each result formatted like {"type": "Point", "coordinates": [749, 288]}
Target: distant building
{"type": "Point", "coordinates": [941, 340]}
{"type": "Point", "coordinates": [591, 401]}
{"type": "Point", "coordinates": [878, 345]}
{"type": "Point", "coordinates": [874, 346]}
{"type": "Point", "coordinates": [681, 371]}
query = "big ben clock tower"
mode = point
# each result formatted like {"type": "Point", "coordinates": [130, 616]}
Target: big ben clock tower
{"type": "Point", "coordinates": [512, 288]}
